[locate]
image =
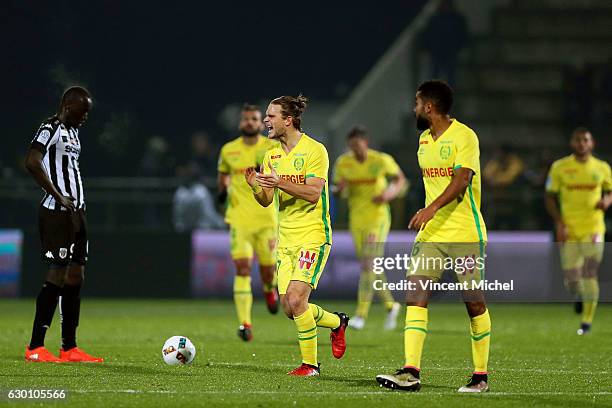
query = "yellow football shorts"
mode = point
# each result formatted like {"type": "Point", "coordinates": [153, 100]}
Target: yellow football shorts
{"type": "Point", "coordinates": [431, 259]}
{"type": "Point", "coordinates": [577, 249]}
{"type": "Point", "coordinates": [303, 263]}
{"type": "Point", "coordinates": [245, 241]}
{"type": "Point", "coordinates": [369, 240]}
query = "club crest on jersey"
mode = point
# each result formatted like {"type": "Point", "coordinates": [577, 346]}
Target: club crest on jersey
{"type": "Point", "coordinates": [445, 152]}
{"type": "Point", "coordinates": [298, 163]}
{"type": "Point", "coordinates": [63, 253]}
{"type": "Point", "coordinates": [307, 259]}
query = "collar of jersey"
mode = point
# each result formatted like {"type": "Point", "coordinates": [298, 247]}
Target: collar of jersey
{"type": "Point", "coordinates": [294, 147]}
{"type": "Point", "coordinates": [453, 121]}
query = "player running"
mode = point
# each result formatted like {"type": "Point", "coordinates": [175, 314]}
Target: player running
{"type": "Point", "coordinates": [362, 173]}
{"type": "Point", "coordinates": [296, 173]}
{"type": "Point", "coordinates": [253, 228]}
{"type": "Point", "coordinates": [53, 161]}
{"type": "Point", "coordinates": [450, 226]}
{"type": "Point", "coordinates": [582, 185]}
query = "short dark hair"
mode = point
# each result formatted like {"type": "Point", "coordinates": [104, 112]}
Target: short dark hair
{"type": "Point", "coordinates": [357, 131]}
{"type": "Point", "coordinates": [439, 93]}
{"type": "Point", "coordinates": [74, 94]}
{"type": "Point", "coordinates": [249, 107]}
{"type": "Point", "coordinates": [580, 130]}
{"type": "Point", "coordinates": [293, 106]}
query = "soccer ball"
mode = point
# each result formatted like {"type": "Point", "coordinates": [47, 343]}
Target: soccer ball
{"type": "Point", "coordinates": [178, 350]}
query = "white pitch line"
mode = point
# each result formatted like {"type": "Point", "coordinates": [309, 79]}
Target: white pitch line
{"type": "Point", "coordinates": [493, 371]}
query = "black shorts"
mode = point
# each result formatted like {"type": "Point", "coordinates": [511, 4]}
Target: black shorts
{"type": "Point", "coordinates": [63, 236]}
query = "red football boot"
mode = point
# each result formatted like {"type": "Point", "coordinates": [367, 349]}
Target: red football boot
{"type": "Point", "coordinates": [245, 332]}
{"type": "Point", "coordinates": [40, 355]}
{"type": "Point", "coordinates": [305, 370]}
{"type": "Point", "coordinates": [76, 355]}
{"type": "Point", "coordinates": [272, 301]}
{"type": "Point", "coordinates": [338, 340]}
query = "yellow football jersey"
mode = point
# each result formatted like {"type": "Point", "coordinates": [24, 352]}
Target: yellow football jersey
{"type": "Point", "coordinates": [301, 222]}
{"type": "Point", "coordinates": [366, 180]}
{"type": "Point", "coordinates": [242, 208]}
{"type": "Point", "coordinates": [580, 186]}
{"type": "Point", "coordinates": [460, 220]}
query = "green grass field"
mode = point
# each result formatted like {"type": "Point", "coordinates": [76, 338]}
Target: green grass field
{"type": "Point", "coordinates": [536, 358]}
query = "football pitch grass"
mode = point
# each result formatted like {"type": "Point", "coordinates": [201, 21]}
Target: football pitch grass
{"type": "Point", "coordinates": [536, 358]}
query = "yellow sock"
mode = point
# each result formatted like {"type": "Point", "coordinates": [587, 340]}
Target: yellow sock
{"type": "Point", "coordinates": [323, 318]}
{"type": "Point", "coordinates": [364, 294]}
{"type": "Point", "coordinates": [243, 298]}
{"type": "Point", "coordinates": [590, 296]}
{"type": "Point", "coordinates": [480, 327]}
{"type": "Point", "coordinates": [415, 332]}
{"type": "Point", "coordinates": [307, 336]}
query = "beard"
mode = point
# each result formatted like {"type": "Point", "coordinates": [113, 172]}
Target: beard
{"type": "Point", "coordinates": [249, 132]}
{"type": "Point", "coordinates": [422, 123]}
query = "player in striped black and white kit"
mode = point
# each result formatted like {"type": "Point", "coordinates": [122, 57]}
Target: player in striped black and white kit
{"type": "Point", "coordinates": [53, 161]}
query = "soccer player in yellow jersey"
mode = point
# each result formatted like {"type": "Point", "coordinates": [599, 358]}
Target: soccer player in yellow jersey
{"type": "Point", "coordinates": [450, 227]}
{"type": "Point", "coordinates": [253, 228]}
{"type": "Point", "coordinates": [370, 180]}
{"type": "Point", "coordinates": [581, 184]}
{"type": "Point", "coordinates": [296, 174]}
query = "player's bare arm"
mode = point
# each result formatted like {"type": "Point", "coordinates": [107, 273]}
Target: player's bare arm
{"type": "Point", "coordinates": [553, 209]}
{"type": "Point", "coordinates": [310, 191]}
{"type": "Point", "coordinates": [263, 195]}
{"type": "Point", "coordinates": [34, 165]}
{"type": "Point", "coordinates": [396, 185]}
{"type": "Point", "coordinates": [456, 188]}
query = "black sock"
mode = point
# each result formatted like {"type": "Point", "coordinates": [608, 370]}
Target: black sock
{"type": "Point", "coordinates": [70, 309]}
{"type": "Point", "coordinates": [46, 302]}
{"type": "Point", "coordinates": [416, 373]}
{"type": "Point", "coordinates": [476, 378]}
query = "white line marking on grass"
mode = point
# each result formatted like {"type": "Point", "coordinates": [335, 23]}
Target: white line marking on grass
{"type": "Point", "coordinates": [369, 367]}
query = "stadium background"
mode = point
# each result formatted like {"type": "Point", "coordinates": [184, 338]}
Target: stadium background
{"type": "Point", "coordinates": [167, 95]}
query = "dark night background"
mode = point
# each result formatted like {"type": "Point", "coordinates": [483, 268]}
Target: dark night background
{"type": "Point", "coordinates": [169, 68]}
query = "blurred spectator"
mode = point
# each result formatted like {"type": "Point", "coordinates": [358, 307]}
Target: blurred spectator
{"type": "Point", "coordinates": [193, 206]}
{"type": "Point", "coordinates": [203, 156]}
{"type": "Point", "coordinates": [443, 38]}
{"type": "Point", "coordinates": [504, 168]}
{"type": "Point", "coordinates": [502, 175]}
{"type": "Point", "coordinates": [156, 161]}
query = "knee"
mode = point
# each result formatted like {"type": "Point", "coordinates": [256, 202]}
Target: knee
{"type": "Point", "coordinates": [475, 308]}
{"type": "Point", "coordinates": [243, 268]}
{"type": "Point", "coordinates": [295, 302]}
{"type": "Point", "coordinates": [286, 307]}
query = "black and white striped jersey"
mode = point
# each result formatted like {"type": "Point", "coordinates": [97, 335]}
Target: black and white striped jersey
{"type": "Point", "coordinates": [61, 148]}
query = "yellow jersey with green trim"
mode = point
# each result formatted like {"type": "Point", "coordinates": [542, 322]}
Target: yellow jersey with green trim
{"type": "Point", "coordinates": [364, 181]}
{"type": "Point", "coordinates": [242, 208]}
{"type": "Point", "coordinates": [300, 222]}
{"type": "Point", "coordinates": [459, 220]}
{"type": "Point", "coordinates": [580, 186]}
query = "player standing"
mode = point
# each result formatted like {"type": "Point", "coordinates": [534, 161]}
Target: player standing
{"type": "Point", "coordinates": [363, 173]}
{"type": "Point", "coordinates": [53, 161]}
{"type": "Point", "coordinates": [253, 228]}
{"type": "Point", "coordinates": [295, 173]}
{"type": "Point", "coordinates": [450, 226]}
{"type": "Point", "coordinates": [581, 184]}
